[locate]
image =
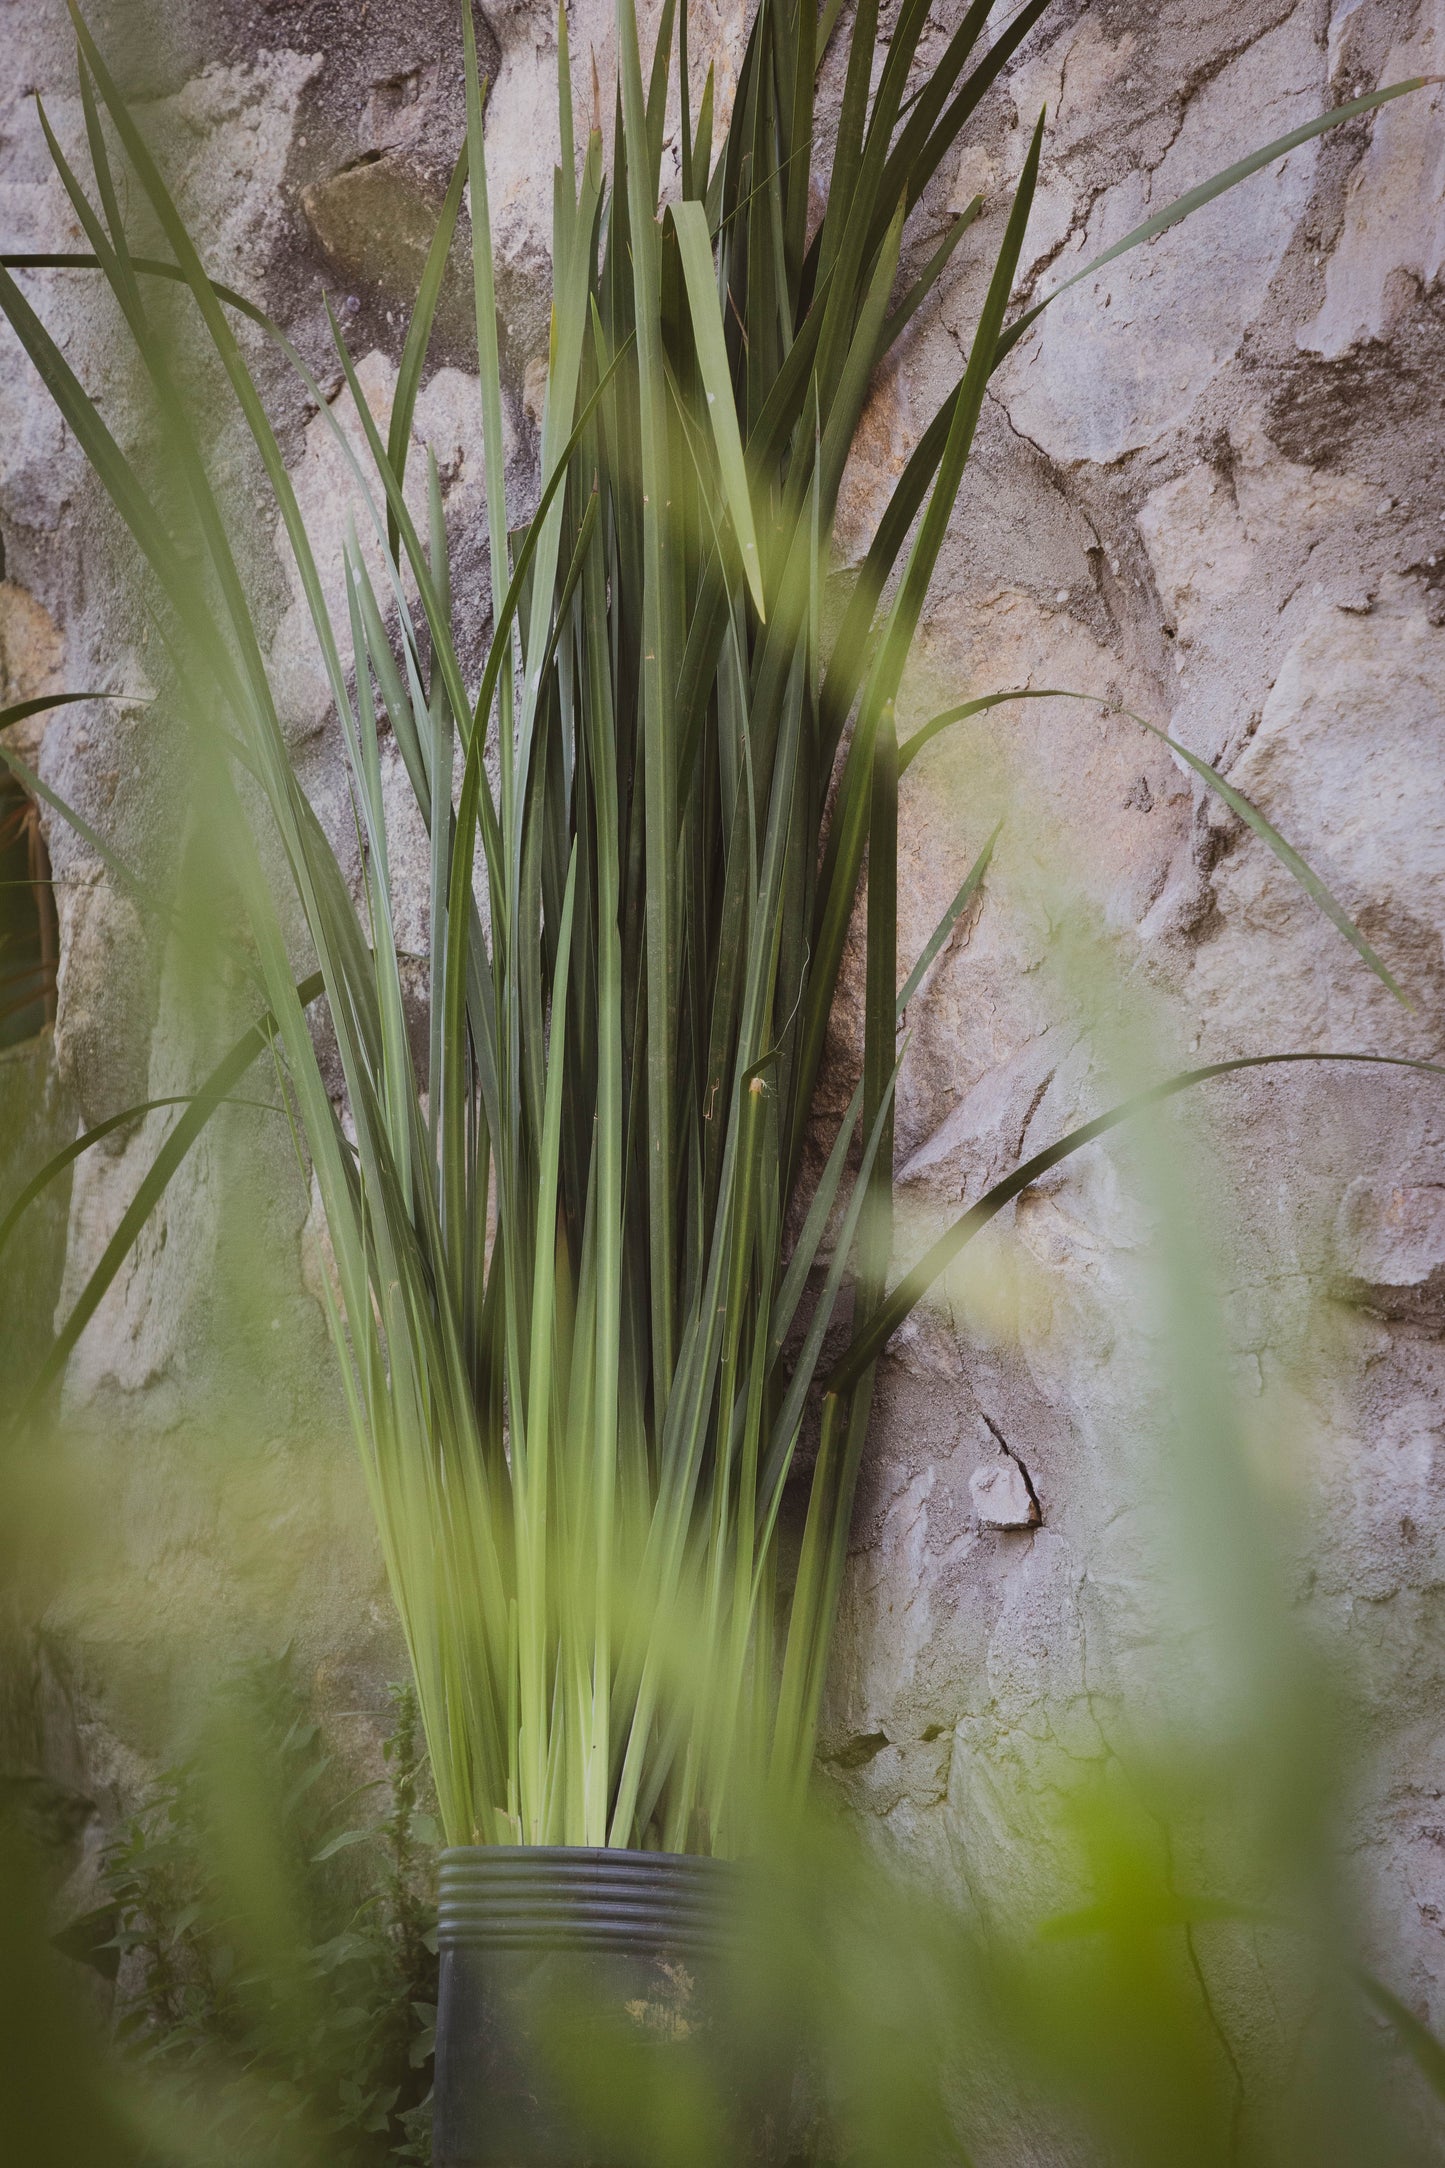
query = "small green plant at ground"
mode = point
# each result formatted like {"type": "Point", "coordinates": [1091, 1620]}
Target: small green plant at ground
{"type": "Point", "coordinates": [199, 1992]}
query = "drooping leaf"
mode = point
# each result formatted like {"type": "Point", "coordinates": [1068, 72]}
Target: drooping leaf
{"type": "Point", "coordinates": [911, 1290]}
{"type": "Point", "coordinates": [690, 224]}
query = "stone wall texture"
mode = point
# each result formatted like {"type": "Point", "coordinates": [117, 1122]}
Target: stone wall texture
{"type": "Point", "coordinates": [1208, 489]}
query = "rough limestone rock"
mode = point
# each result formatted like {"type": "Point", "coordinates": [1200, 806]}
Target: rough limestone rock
{"type": "Point", "coordinates": [1207, 489]}
{"type": "Point", "coordinates": [1002, 1498]}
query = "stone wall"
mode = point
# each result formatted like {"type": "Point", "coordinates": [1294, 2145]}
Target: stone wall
{"type": "Point", "coordinates": [1206, 489]}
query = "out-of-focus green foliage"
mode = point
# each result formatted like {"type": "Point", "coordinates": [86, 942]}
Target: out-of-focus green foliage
{"type": "Point", "coordinates": [254, 1967]}
{"type": "Point", "coordinates": [270, 1940]}
{"type": "Point", "coordinates": [876, 2016]}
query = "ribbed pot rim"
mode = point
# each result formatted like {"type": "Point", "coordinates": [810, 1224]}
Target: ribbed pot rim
{"type": "Point", "coordinates": [519, 1896]}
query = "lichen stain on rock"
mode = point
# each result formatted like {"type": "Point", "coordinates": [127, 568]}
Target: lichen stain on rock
{"type": "Point", "coordinates": [372, 221]}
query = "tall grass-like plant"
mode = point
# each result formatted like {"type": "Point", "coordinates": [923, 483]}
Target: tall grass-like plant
{"type": "Point", "coordinates": [582, 1277]}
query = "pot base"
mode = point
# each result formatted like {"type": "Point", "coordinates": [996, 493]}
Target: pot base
{"type": "Point", "coordinates": [580, 2004]}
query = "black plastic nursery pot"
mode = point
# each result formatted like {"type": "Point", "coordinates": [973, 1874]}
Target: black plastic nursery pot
{"type": "Point", "coordinates": [577, 1988]}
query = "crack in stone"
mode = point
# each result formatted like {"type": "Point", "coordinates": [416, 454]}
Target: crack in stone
{"type": "Point", "coordinates": [1029, 1112]}
{"type": "Point", "coordinates": [1009, 1454]}
{"type": "Point", "coordinates": [1179, 99]}
{"type": "Point", "coordinates": [1216, 2023]}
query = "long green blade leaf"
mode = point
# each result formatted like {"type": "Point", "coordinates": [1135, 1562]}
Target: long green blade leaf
{"type": "Point", "coordinates": [915, 1285]}
{"type": "Point", "coordinates": [1195, 198]}
{"type": "Point", "coordinates": [690, 223]}
{"type": "Point", "coordinates": [1247, 811]}
{"type": "Point", "coordinates": [215, 1091]}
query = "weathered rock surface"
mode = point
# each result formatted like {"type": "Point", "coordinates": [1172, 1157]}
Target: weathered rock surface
{"type": "Point", "coordinates": [1208, 489]}
{"type": "Point", "coordinates": [1002, 1498]}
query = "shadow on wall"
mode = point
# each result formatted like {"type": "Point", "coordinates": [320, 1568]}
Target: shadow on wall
{"type": "Point", "coordinates": [29, 938]}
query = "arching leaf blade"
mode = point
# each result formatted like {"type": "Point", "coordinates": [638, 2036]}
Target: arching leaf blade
{"type": "Point", "coordinates": [418, 337]}
{"type": "Point", "coordinates": [1218, 184]}
{"type": "Point", "coordinates": [55, 1167]}
{"type": "Point", "coordinates": [216, 1089]}
{"type": "Point", "coordinates": [911, 1289]}
{"type": "Point", "coordinates": [1235, 799]}
{"type": "Point", "coordinates": [695, 247]}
